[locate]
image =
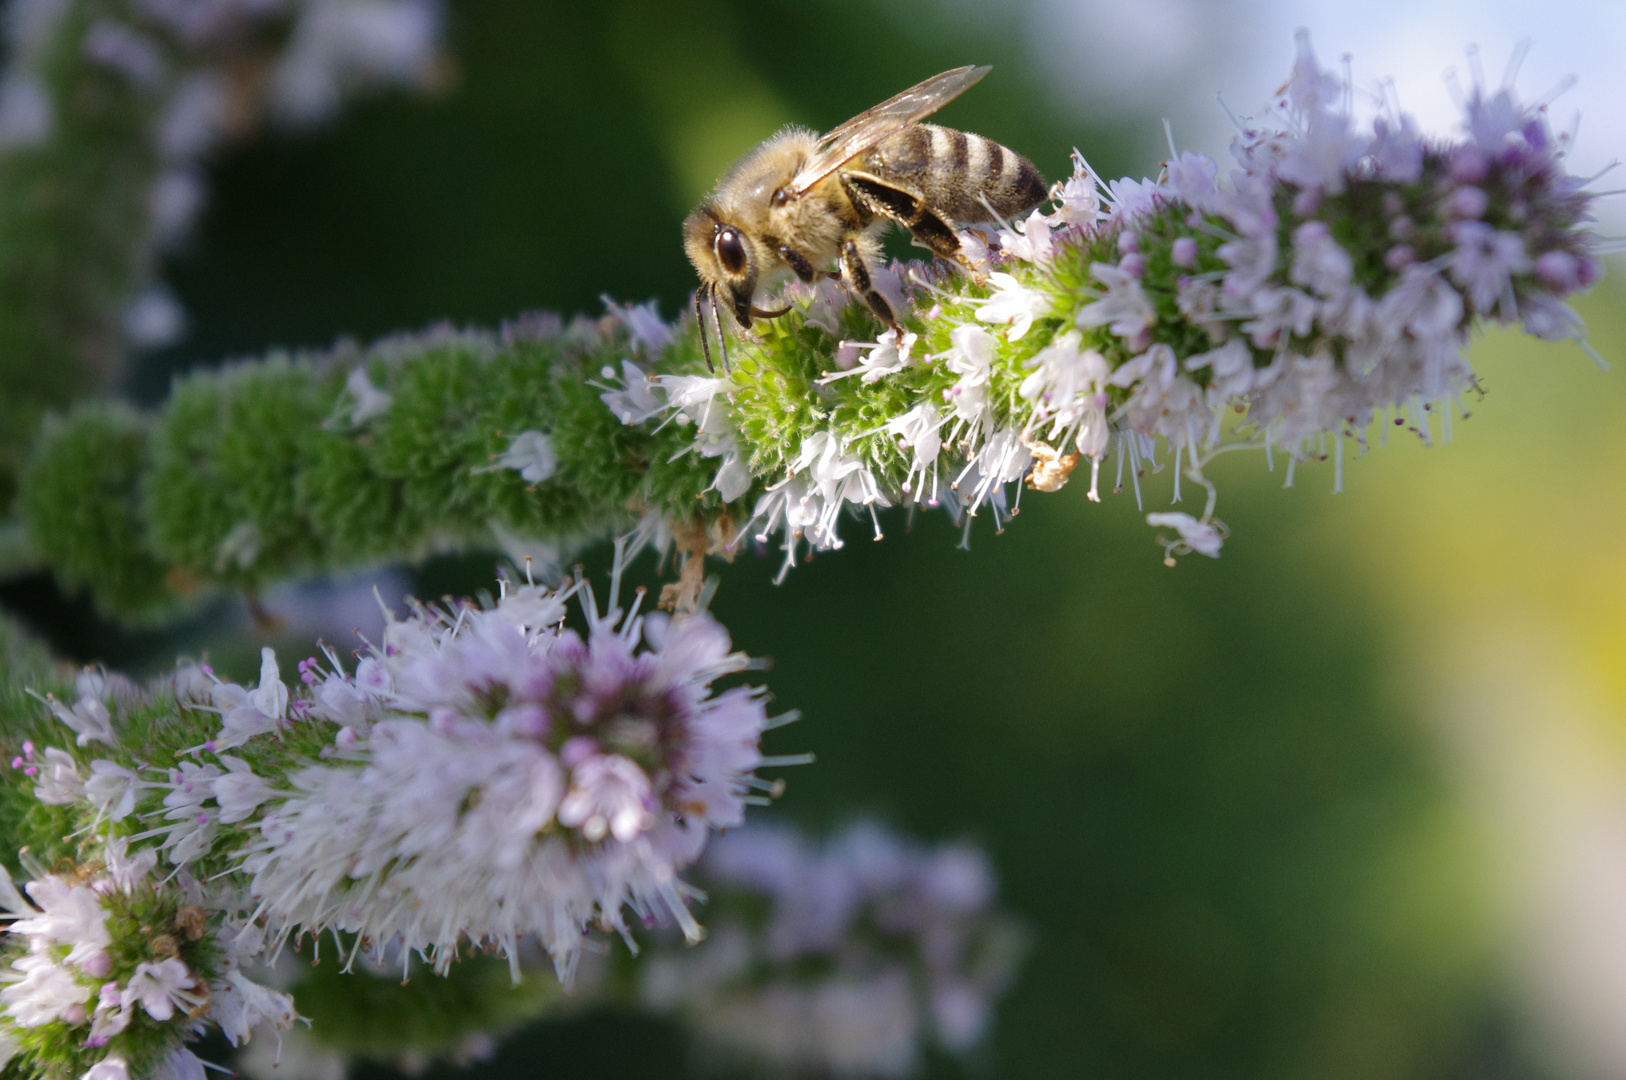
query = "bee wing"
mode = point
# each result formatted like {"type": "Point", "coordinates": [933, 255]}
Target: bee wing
{"type": "Point", "coordinates": [845, 142]}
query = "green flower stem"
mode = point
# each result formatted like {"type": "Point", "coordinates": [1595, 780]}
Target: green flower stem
{"type": "Point", "coordinates": [257, 473]}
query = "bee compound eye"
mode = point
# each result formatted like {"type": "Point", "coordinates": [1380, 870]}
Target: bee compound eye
{"type": "Point", "coordinates": [731, 251]}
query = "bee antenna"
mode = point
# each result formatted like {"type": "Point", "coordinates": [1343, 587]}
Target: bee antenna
{"type": "Point", "coordinates": [717, 320]}
{"type": "Point", "coordinates": [700, 320]}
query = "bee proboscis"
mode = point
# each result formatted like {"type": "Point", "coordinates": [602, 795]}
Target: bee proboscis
{"type": "Point", "coordinates": [801, 202]}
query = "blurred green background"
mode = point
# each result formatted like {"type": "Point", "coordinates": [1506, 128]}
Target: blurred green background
{"type": "Point", "coordinates": [1242, 804]}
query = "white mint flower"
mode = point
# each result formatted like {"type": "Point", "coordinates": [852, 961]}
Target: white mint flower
{"type": "Point", "coordinates": [111, 788]}
{"type": "Point", "coordinates": [191, 785]}
{"type": "Point", "coordinates": [45, 992]}
{"type": "Point", "coordinates": [1191, 178]}
{"type": "Point", "coordinates": [637, 401]}
{"type": "Point", "coordinates": [530, 453]}
{"type": "Point", "coordinates": [247, 713]}
{"type": "Point", "coordinates": [890, 354]}
{"type": "Point", "coordinates": [1198, 536]}
{"type": "Point", "coordinates": [366, 400]}
{"type": "Point", "coordinates": [1124, 309]}
{"type": "Point", "coordinates": [649, 333]}
{"type": "Point", "coordinates": [971, 357]}
{"type": "Point", "coordinates": [1013, 303]}
{"type": "Point", "coordinates": [1077, 200]}
{"type": "Point", "coordinates": [89, 716]}
{"type": "Point", "coordinates": [1484, 262]}
{"type": "Point", "coordinates": [1031, 241]}
{"type": "Point", "coordinates": [1128, 198]}
{"type": "Point", "coordinates": [59, 779]}
{"type": "Point", "coordinates": [830, 298]}
{"type": "Point", "coordinates": [1067, 388]}
{"type": "Point", "coordinates": [160, 988]}
{"type": "Point", "coordinates": [124, 870]}
{"type": "Point", "coordinates": [239, 1004]}
{"type": "Point", "coordinates": [919, 432]}
{"type": "Point", "coordinates": [112, 1067]}
{"type": "Point", "coordinates": [239, 791]}
{"type": "Point", "coordinates": [69, 915]}
{"type": "Point", "coordinates": [181, 1064]}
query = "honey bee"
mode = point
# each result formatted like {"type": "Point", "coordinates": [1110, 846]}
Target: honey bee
{"type": "Point", "coordinates": [800, 202]}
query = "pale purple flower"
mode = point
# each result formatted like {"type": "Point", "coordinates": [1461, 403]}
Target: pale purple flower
{"type": "Point", "coordinates": [1319, 262]}
{"type": "Point", "coordinates": [1128, 198]}
{"type": "Point", "coordinates": [1484, 262]}
{"type": "Point", "coordinates": [111, 1016]}
{"type": "Point", "coordinates": [828, 302]}
{"type": "Point", "coordinates": [1191, 178]}
{"type": "Point", "coordinates": [191, 785]}
{"type": "Point", "coordinates": [1397, 149]}
{"type": "Point", "coordinates": [1068, 390]}
{"type": "Point", "coordinates": [870, 948]}
{"type": "Point", "coordinates": [126, 51]}
{"type": "Point", "coordinates": [457, 819]}
{"type": "Point", "coordinates": [608, 795]}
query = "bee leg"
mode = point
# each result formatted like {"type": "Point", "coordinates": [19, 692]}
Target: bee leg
{"type": "Point", "coordinates": [857, 276]}
{"type": "Point", "coordinates": [799, 263]}
{"type": "Point", "coordinates": [907, 209]}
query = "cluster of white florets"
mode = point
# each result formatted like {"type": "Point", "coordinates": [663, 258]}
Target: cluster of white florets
{"type": "Point", "coordinates": [187, 62]}
{"type": "Point", "coordinates": [841, 959]}
{"type": "Point", "coordinates": [113, 970]}
{"type": "Point", "coordinates": [494, 776]}
{"type": "Point", "coordinates": [1331, 280]}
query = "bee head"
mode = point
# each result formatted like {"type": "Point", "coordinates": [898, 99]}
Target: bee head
{"type": "Point", "coordinates": [725, 260]}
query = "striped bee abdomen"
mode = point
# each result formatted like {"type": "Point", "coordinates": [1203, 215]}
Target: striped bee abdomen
{"type": "Point", "coordinates": [954, 172]}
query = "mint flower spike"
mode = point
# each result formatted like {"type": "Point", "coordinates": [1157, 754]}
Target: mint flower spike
{"type": "Point", "coordinates": [114, 968]}
{"type": "Point", "coordinates": [492, 775]}
{"type": "Point", "coordinates": [844, 957]}
{"type": "Point", "coordinates": [1330, 282]}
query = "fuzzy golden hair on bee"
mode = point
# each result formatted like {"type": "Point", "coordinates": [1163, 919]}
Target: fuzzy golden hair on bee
{"type": "Point", "coordinates": [803, 204]}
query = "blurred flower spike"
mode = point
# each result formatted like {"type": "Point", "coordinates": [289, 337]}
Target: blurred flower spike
{"type": "Point", "coordinates": [844, 958]}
